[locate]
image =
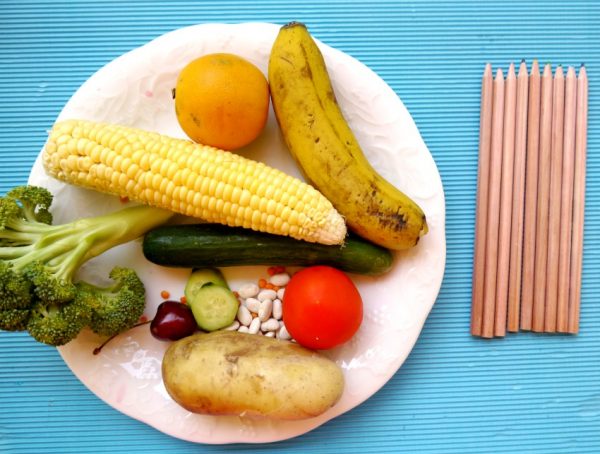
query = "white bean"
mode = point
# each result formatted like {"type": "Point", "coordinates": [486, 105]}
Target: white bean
{"type": "Point", "coordinates": [280, 280]}
{"type": "Point", "coordinates": [248, 291]}
{"type": "Point", "coordinates": [283, 333]}
{"type": "Point", "coordinates": [270, 334]}
{"type": "Point", "coordinates": [277, 309]}
{"type": "Point", "coordinates": [244, 315]}
{"type": "Point", "coordinates": [280, 293]}
{"type": "Point", "coordinates": [267, 294]}
{"type": "Point", "coordinates": [234, 326]}
{"type": "Point", "coordinates": [243, 329]}
{"type": "Point", "coordinates": [252, 304]}
{"type": "Point", "coordinates": [265, 310]}
{"type": "Point", "coordinates": [270, 325]}
{"type": "Point", "coordinates": [254, 326]}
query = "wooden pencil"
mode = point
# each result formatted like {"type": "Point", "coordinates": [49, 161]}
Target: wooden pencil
{"type": "Point", "coordinates": [531, 187]}
{"type": "Point", "coordinates": [506, 199]}
{"type": "Point", "coordinates": [554, 205]}
{"type": "Point", "coordinates": [485, 136]}
{"type": "Point", "coordinates": [543, 193]}
{"type": "Point", "coordinates": [578, 201]}
{"type": "Point", "coordinates": [491, 243]}
{"type": "Point", "coordinates": [516, 241]}
{"type": "Point", "coordinates": [566, 214]}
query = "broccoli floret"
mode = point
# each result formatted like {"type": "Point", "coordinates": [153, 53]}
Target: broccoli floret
{"type": "Point", "coordinates": [48, 285]}
{"type": "Point", "coordinates": [35, 203]}
{"type": "Point", "coordinates": [39, 261]}
{"type": "Point", "coordinates": [14, 319]}
{"type": "Point", "coordinates": [15, 289]}
{"type": "Point", "coordinates": [118, 307]}
{"type": "Point", "coordinates": [55, 324]}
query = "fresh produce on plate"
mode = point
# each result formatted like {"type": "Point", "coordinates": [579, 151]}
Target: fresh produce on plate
{"type": "Point", "coordinates": [202, 276]}
{"type": "Point", "coordinates": [322, 307]}
{"type": "Point", "coordinates": [231, 373]}
{"type": "Point", "coordinates": [261, 307]}
{"type": "Point", "coordinates": [212, 302]}
{"type": "Point", "coordinates": [190, 179]}
{"type": "Point", "coordinates": [201, 245]}
{"type": "Point", "coordinates": [326, 149]}
{"type": "Point", "coordinates": [250, 352]}
{"type": "Point", "coordinates": [39, 261]}
{"type": "Point", "coordinates": [222, 100]}
{"type": "Point", "coordinates": [173, 321]}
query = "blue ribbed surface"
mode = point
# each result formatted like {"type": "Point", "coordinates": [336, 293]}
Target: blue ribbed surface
{"type": "Point", "coordinates": [523, 393]}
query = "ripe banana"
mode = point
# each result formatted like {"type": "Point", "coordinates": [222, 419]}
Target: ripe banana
{"type": "Point", "coordinates": [327, 151]}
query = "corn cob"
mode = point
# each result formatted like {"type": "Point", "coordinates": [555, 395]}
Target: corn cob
{"type": "Point", "coordinates": [190, 179]}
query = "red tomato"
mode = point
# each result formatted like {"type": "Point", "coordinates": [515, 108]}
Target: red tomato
{"type": "Point", "coordinates": [321, 307]}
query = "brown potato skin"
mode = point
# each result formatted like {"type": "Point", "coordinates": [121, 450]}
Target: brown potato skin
{"type": "Point", "coordinates": [231, 373]}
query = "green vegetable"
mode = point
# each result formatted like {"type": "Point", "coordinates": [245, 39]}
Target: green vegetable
{"type": "Point", "coordinates": [201, 277]}
{"type": "Point", "coordinates": [202, 245]}
{"type": "Point", "coordinates": [38, 263]}
{"type": "Point", "coordinates": [214, 307]}
{"type": "Point", "coordinates": [117, 307]}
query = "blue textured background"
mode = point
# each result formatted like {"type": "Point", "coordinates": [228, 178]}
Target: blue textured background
{"type": "Point", "coordinates": [523, 393]}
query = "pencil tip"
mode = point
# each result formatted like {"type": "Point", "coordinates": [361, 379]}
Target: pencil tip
{"type": "Point", "coordinates": [511, 71]}
{"type": "Point", "coordinates": [582, 65]}
{"type": "Point", "coordinates": [523, 67]}
{"type": "Point", "coordinates": [522, 60]}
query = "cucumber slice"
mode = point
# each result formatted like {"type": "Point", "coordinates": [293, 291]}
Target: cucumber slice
{"type": "Point", "coordinates": [200, 277]}
{"type": "Point", "coordinates": [214, 306]}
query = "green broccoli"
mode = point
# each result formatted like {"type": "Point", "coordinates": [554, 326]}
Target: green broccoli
{"type": "Point", "coordinates": [39, 261]}
{"type": "Point", "coordinates": [118, 307]}
{"type": "Point", "coordinates": [57, 324]}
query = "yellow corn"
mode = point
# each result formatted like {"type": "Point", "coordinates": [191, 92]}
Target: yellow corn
{"type": "Point", "coordinates": [191, 179]}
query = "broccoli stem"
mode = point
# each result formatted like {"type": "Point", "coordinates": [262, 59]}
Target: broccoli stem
{"type": "Point", "coordinates": [69, 262]}
{"type": "Point", "coordinates": [18, 225]}
{"type": "Point", "coordinates": [66, 247]}
{"type": "Point", "coordinates": [104, 232]}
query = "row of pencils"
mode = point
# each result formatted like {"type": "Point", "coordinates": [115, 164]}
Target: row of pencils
{"type": "Point", "coordinates": [527, 262]}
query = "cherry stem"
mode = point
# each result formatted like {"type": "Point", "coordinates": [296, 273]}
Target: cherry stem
{"type": "Point", "coordinates": [101, 346]}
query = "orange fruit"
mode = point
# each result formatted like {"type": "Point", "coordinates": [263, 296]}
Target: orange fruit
{"type": "Point", "coordinates": [222, 100]}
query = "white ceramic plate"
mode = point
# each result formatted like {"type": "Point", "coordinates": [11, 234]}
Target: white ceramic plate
{"type": "Point", "coordinates": [135, 89]}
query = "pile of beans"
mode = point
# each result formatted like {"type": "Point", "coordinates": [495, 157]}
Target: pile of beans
{"type": "Point", "coordinates": [261, 306]}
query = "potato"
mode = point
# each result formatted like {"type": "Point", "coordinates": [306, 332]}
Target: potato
{"type": "Point", "coordinates": [231, 373]}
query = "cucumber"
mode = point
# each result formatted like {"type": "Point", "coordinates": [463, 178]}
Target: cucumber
{"type": "Point", "coordinates": [201, 277]}
{"type": "Point", "coordinates": [214, 306]}
{"type": "Point", "coordinates": [215, 245]}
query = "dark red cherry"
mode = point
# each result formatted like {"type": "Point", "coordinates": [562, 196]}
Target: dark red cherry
{"type": "Point", "coordinates": [173, 321]}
